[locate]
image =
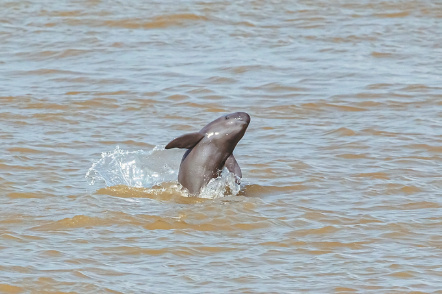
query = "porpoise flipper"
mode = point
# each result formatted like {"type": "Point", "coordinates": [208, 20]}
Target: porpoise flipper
{"type": "Point", "coordinates": [186, 141]}
{"type": "Point", "coordinates": [233, 167]}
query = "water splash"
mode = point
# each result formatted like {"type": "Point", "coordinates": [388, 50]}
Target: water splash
{"type": "Point", "coordinates": [146, 169]}
{"type": "Point", "coordinates": [134, 168]}
{"type": "Point", "coordinates": [221, 186]}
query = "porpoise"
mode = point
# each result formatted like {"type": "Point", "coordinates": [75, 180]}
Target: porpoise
{"type": "Point", "coordinates": [210, 150]}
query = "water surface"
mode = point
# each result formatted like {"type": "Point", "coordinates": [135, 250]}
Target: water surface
{"type": "Point", "coordinates": [341, 162]}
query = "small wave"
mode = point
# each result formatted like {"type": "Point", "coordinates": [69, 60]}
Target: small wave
{"type": "Point", "coordinates": [78, 221]}
{"type": "Point", "coordinates": [342, 132]}
{"type": "Point", "coordinates": [151, 174]}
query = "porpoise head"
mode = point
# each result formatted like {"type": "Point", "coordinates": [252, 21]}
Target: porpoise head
{"type": "Point", "coordinates": [226, 131]}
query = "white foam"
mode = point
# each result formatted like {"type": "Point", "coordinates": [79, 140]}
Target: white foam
{"type": "Point", "coordinates": [145, 169]}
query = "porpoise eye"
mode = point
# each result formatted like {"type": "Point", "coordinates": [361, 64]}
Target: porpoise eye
{"type": "Point", "coordinates": [227, 117]}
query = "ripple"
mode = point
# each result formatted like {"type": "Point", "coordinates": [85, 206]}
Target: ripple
{"type": "Point", "coordinates": [342, 132]}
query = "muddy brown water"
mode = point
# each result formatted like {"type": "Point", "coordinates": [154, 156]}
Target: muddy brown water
{"type": "Point", "coordinates": [342, 160]}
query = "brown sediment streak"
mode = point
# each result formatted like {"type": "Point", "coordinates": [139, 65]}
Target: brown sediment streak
{"type": "Point", "coordinates": [156, 22]}
{"type": "Point", "coordinates": [381, 54]}
{"type": "Point", "coordinates": [376, 132]}
{"type": "Point", "coordinates": [11, 289]}
{"type": "Point", "coordinates": [375, 175]}
{"type": "Point", "coordinates": [394, 14]}
{"type": "Point", "coordinates": [66, 53]}
{"type": "Point", "coordinates": [128, 142]}
{"type": "Point", "coordinates": [270, 87]}
{"type": "Point", "coordinates": [24, 150]}
{"type": "Point", "coordinates": [352, 156]}
{"type": "Point", "coordinates": [410, 189]}
{"type": "Point", "coordinates": [323, 105]}
{"type": "Point", "coordinates": [178, 97]}
{"type": "Point", "coordinates": [378, 86]}
{"type": "Point", "coordinates": [421, 205]}
{"type": "Point", "coordinates": [9, 237]}
{"type": "Point", "coordinates": [221, 80]}
{"type": "Point", "coordinates": [68, 13]}
{"type": "Point", "coordinates": [178, 251]}
{"type": "Point", "coordinates": [46, 105]}
{"type": "Point", "coordinates": [98, 102]}
{"type": "Point", "coordinates": [401, 189]}
{"type": "Point", "coordinates": [112, 93]}
{"type": "Point", "coordinates": [160, 193]}
{"type": "Point", "coordinates": [48, 71]}
{"type": "Point", "coordinates": [256, 190]}
{"type": "Point", "coordinates": [172, 224]}
{"type": "Point", "coordinates": [78, 221]}
{"type": "Point", "coordinates": [319, 231]}
{"type": "Point", "coordinates": [345, 290]}
{"type": "Point", "coordinates": [429, 148]}
{"type": "Point", "coordinates": [25, 195]}
{"type": "Point", "coordinates": [403, 274]}
{"type": "Point", "coordinates": [335, 244]}
{"type": "Point", "coordinates": [17, 167]}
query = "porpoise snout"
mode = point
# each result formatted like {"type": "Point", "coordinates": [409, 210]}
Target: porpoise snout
{"type": "Point", "coordinates": [242, 116]}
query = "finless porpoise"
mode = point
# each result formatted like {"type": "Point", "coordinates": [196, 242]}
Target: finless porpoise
{"type": "Point", "coordinates": [210, 150]}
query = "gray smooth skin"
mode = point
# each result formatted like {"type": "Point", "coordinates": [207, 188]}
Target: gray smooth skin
{"type": "Point", "coordinates": [209, 150]}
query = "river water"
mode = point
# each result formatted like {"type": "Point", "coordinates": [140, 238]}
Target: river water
{"type": "Point", "coordinates": [342, 161]}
